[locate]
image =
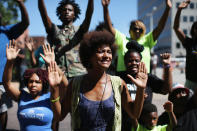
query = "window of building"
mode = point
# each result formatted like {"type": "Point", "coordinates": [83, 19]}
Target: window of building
{"type": "Point", "coordinates": [185, 31]}
{"type": "Point", "coordinates": [191, 18]}
{"type": "Point", "coordinates": [177, 4]}
{"type": "Point", "coordinates": [184, 18]}
{"type": "Point", "coordinates": [191, 5]}
{"type": "Point", "coordinates": [178, 45]}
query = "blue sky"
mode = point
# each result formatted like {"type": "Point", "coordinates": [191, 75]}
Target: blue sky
{"type": "Point", "coordinates": [121, 12]}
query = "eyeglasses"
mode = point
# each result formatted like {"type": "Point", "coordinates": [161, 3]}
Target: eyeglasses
{"type": "Point", "coordinates": [139, 29]}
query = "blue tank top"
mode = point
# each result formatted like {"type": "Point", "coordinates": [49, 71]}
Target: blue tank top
{"type": "Point", "coordinates": [96, 115]}
{"type": "Point", "coordinates": [34, 115]}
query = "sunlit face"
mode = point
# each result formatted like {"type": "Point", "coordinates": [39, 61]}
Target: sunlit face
{"type": "Point", "coordinates": [102, 58]}
{"type": "Point", "coordinates": [150, 120]}
{"type": "Point", "coordinates": [34, 85]}
{"type": "Point", "coordinates": [67, 13]}
{"type": "Point", "coordinates": [132, 63]}
{"type": "Point", "coordinates": [136, 32]}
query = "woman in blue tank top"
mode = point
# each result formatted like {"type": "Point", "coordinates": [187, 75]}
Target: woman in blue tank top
{"type": "Point", "coordinates": [34, 107]}
{"type": "Point", "coordinates": [95, 99]}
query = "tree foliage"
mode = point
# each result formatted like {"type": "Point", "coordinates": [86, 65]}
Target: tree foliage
{"type": "Point", "coordinates": [9, 11]}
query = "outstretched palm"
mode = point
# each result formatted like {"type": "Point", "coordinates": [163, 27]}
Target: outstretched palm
{"type": "Point", "coordinates": [49, 54]}
{"type": "Point", "coordinates": [54, 77]}
{"type": "Point", "coordinates": [141, 77]}
{"type": "Point", "coordinates": [11, 50]}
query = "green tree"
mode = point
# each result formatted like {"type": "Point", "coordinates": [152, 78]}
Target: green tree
{"type": "Point", "coordinates": [9, 11]}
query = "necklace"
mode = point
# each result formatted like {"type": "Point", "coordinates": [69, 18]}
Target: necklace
{"type": "Point", "coordinates": [100, 104]}
{"type": "Point", "coordinates": [104, 88]}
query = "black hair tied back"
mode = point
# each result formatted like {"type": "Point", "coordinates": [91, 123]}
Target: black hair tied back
{"type": "Point", "coordinates": [134, 45]}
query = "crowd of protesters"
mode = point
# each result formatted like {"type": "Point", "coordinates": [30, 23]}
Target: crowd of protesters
{"type": "Point", "coordinates": [71, 74]}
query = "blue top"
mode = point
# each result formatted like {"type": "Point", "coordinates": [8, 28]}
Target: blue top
{"type": "Point", "coordinates": [6, 33]}
{"type": "Point", "coordinates": [96, 115]}
{"type": "Point", "coordinates": [34, 115]}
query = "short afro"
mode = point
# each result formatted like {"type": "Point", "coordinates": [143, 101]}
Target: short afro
{"type": "Point", "coordinates": [70, 2]}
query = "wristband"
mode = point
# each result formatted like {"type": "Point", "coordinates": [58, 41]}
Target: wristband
{"type": "Point", "coordinates": [55, 100]}
{"type": "Point", "coordinates": [167, 66]}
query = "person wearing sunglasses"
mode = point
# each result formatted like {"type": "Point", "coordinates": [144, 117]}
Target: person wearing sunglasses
{"type": "Point", "coordinates": [137, 32]}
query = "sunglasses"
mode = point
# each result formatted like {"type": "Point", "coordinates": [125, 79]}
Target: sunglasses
{"type": "Point", "coordinates": [139, 29]}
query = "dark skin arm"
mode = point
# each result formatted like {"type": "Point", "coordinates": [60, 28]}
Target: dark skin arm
{"type": "Point", "coordinates": [45, 18]}
{"type": "Point", "coordinates": [168, 106]}
{"type": "Point", "coordinates": [157, 31]}
{"type": "Point", "coordinates": [82, 30]}
{"type": "Point", "coordinates": [21, 26]}
{"type": "Point", "coordinates": [180, 34]}
{"type": "Point", "coordinates": [54, 80]}
{"type": "Point", "coordinates": [11, 53]}
{"type": "Point", "coordinates": [48, 57]}
{"type": "Point", "coordinates": [134, 108]}
{"type": "Point", "coordinates": [107, 18]}
{"type": "Point", "coordinates": [63, 107]}
{"type": "Point", "coordinates": [167, 75]}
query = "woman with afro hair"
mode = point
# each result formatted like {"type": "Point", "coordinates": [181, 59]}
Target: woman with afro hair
{"type": "Point", "coordinates": [95, 99]}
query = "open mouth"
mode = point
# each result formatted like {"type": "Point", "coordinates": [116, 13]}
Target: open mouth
{"type": "Point", "coordinates": [133, 68]}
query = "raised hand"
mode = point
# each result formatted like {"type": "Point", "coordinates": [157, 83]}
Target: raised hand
{"type": "Point", "coordinates": [54, 77]}
{"type": "Point", "coordinates": [184, 4]}
{"type": "Point", "coordinates": [105, 3]}
{"type": "Point", "coordinates": [141, 77]}
{"type": "Point", "coordinates": [11, 50]}
{"type": "Point", "coordinates": [29, 44]}
{"type": "Point", "coordinates": [168, 106]}
{"type": "Point", "coordinates": [169, 3]}
{"type": "Point", "coordinates": [49, 54]}
{"type": "Point", "coordinates": [166, 58]}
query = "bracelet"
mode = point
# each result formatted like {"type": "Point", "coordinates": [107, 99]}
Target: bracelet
{"type": "Point", "coordinates": [55, 100]}
{"type": "Point", "coordinates": [167, 66]}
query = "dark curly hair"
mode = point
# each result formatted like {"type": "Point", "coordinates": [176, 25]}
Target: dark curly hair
{"type": "Point", "coordinates": [61, 5]}
{"type": "Point", "coordinates": [147, 108]}
{"type": "Point", "coordinates": [101, 26]}
{"type": "Point", "coordinates": [133, 46]}
{"type": "Point", "coordinates": [42, 74]}
{"type": "Point", "coordinates": [91, 42]}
